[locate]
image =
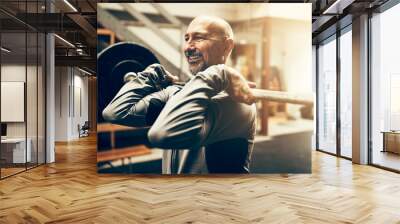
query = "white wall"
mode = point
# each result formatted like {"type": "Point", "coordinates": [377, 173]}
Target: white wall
{"type": "Point", "coordinates": [80, 83]}
{"type": "Point", "coordinates": [291, 52]}
{"type": "Point", "coordinates": [61, 103]}
{"type": "Point", "coordinates": [69, 82]}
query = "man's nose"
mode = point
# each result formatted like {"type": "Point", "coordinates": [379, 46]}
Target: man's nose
{"type": "Point", "coordinates": [189, 47]}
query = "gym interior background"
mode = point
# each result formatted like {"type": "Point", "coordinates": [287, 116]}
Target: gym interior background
{"type": "Point", "coordinates": [272, 49]}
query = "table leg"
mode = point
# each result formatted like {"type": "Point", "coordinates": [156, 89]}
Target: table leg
{"type": "Point", "coordinates": [384, 142]}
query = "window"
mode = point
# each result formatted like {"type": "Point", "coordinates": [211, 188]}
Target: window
{"type": "Point", "coordinates": [327, 96]}
{"type": "Point", "coordinates": [22, 76]}
{"type": "Point", "coordinates": [346, 93]}
{"type": "Point", "coordinates": [385, 89]}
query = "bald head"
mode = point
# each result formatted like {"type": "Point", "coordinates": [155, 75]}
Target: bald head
{"type": "Point", "coordinates": [209, 41]}
{"type": "Point", "coordinates": [215, 24]}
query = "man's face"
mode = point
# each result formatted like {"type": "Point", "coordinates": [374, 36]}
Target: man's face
{"type": "Point", "coordinates": [204, 46]}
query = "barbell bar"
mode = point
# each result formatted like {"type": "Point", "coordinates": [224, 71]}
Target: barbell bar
{"type": "Point", "coordinates": [284, 97]}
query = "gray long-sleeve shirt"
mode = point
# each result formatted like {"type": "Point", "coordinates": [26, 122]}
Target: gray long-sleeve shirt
{"type": "Point", "coordinates": [196, 120]}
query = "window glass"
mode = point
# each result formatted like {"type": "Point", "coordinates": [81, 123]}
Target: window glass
{"type": "Point", "coordinates": [327, 96]}
{"type": "Point", "coordinates": [385, 84]}
{"type": "Point", "coordinates": [345, 94]}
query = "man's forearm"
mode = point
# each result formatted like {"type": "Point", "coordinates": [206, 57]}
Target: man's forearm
{"type": "Point", "coordinates": [130, 105]}
{"type": "Point", "coordinates": [181, 124]}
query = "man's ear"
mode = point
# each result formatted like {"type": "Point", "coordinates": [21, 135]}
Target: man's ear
{"type": "Point", "coordinates": [229, 46]}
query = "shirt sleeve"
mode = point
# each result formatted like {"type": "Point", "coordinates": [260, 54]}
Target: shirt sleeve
{"type": "Point", "coordinates": [191, 118]}
{"type": "Point", "coordinates": [141, 98]}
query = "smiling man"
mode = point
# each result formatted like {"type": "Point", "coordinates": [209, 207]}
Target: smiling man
{"type": "Point", "coordinates": [209, 123]}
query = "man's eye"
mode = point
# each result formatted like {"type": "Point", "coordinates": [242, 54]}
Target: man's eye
{"type": "Point", "coordinates": [199, 38]}
{"type": "Point", "coordinates": [195, 38]}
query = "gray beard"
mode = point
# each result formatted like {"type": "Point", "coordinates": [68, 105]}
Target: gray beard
{"type": "Point", "coordinates": [203, 66]}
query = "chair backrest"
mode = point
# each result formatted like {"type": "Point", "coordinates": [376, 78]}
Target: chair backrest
{"type": "Point", "coordinates": [86, 125]}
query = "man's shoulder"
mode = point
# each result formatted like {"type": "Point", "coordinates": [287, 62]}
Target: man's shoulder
{"type": "Point", "coordinates": [224, 100]}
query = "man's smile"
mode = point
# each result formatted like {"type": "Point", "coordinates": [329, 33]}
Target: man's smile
{"type": "Point", "coordinates": [194, 59]}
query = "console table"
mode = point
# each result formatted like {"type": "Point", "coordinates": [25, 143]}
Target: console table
{"type": "Point", "coordinates": [391, 141]}
{"type": "Point", "coordinates": [13, 150]}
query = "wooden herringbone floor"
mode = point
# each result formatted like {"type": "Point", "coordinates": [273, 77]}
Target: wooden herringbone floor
{"type": "Point", "coordinates": [70, 191]}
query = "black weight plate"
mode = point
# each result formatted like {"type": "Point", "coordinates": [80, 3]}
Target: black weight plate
{"type": "Point", "coordinates": [113, 63]}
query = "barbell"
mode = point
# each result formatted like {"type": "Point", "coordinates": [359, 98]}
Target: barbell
{"type": "Point", "coordinates": [113, 63]}
{"type": "Point", "coordinates": [120, 58]}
